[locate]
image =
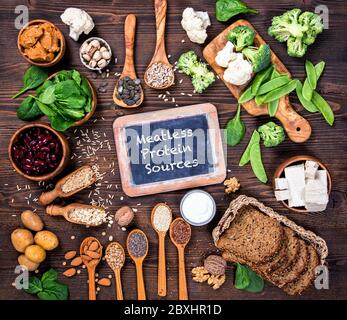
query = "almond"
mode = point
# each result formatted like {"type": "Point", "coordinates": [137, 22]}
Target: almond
{"type": "Point", "coordinates": [93, 254]}
{"type": "Point", "coordinates": [94, 246]}
{"type": "Point", "coordinates": [104, 282]}
{"type": "Point", "coordinates": [70, 272]}
{"type": "Point", "coordinates": [85, 249]}
{"type": "Point", "coordinates": [85, 257]}
{"type": "Point", "coordinates": [70, 255]}
{"type": "Point", "coordinates": [76, 262]}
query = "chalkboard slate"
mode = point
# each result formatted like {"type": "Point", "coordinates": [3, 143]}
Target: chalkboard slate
{"type": "Point", "coordinates": [169, 150]}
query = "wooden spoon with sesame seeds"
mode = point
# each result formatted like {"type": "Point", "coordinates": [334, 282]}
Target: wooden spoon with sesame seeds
{"type": "Point", "coordinates": [129, 68]}
{"type": "Point", "coordinates": [91, 253]}
{"type": "Point", "coordinates": [159, 56]}
{"type": "Point", "coordinates": [113, 249]}
{"type": "Point", "coordinates": [56, 210]}
{"type": "Point", "coordinates": [161, 231]}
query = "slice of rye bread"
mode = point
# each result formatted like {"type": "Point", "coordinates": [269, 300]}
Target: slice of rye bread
{"type": "Point", "coordinates": [306, 278]}
{"type": "Point", "coordinates": [294, 270]}
{"type": "Point", "coordinates": [252, 236]}
{"type": "Point", "coordinates": [291, 253]}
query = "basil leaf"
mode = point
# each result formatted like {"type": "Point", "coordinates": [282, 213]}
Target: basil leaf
{"type": "Point", "coordinates": [235, 129]}
{"type": "Point", "coordinates": [226, 9]}
{"type": "Point", "coordinates": [50, 275]}
{"type": "Point", "coordinates": [28, 110]}
{"type": "Point", "coordinates": [242, 280]}
{"type": "Point", "coordinates": [35, 285]}
{"type": "Point", "coordinates": [33, 77]}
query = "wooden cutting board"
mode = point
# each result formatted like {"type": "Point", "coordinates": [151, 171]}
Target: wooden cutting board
{"type": "Point", "coordinates": [297, 128]}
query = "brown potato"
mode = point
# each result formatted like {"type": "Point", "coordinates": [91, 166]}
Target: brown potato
{"type": "Point", "coordinates": [46, 239]}
{"type": "Point", "coordinates": [21, 239]}
{"type": "Point", "coordinates": [32, 220]}
{"type": "Point", "coordinates": [35, 253]}
{"type": "Point", "coordinates": [30, 265]}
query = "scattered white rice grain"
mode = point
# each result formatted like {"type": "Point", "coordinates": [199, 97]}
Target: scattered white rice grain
{"type": "Point", "coordinates": [110, 238]}
{"type": "Point", "coordinates": [72, 237]}
{"type": "Point", "coordinates": [64, 263]}
{"type": "Point", "coordinates": [103, 233]}
{"type": "Point", "coordinates": [183, 41]}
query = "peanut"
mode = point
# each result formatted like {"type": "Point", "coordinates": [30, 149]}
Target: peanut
{"type": "Point", "coordinates": [70, 255]}
{"type": "Point", "coordinates": [70, 272]}
{"type": "Point", "coordinates": [76, 262]}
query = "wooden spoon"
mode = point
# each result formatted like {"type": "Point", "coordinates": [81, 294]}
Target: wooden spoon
{"type": "Point", "coordinates": [119, 291]}
{"type": "Point", "coordinates": [48, 197]}
{"type": "Point", "coordinates": [159, 55]}
{"type": "Point", "coordinates": [91, 265]}
{"type": "Point", "coordinates": [141, 293]}
{"type": "Point", "coordinates": [56, 210]}
{"type": "Point", "coordinates": [182, 282]}
{"type": "Point", "coordinates": [128, 69]}
{"type": "Point", "coordinates": [161, 259]}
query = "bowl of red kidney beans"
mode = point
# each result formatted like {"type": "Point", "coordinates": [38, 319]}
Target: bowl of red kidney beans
{"type": "Point", "coordinates": [38, 152]}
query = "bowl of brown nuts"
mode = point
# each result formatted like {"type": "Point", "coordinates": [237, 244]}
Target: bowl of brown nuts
{"type": "Point", "coordinates": [95, 53]}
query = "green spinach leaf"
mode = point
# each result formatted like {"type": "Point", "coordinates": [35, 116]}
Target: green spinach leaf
{"type": "Point", "coordinates": [35, 286]}
{"type": "Point", "coordinates": [33, 77]}
{"type": "Point", "coordinates": [50, 275]}
{"type": "Point", "coordinates": [235, 129]}
{"type": "Point", "coordinates": [54, 290]}
{"type": "Point", "coordinates": [45, 109]}
{"type": "Point", "coordinates": [28, 110]}
{"type": "Point", "coordinates": [43, 87]}
{"type": "Point", "coordinates": [226, 9]}
{"type": "Point", "coordinates": [59, 123]}
{"type": "Point", "coordinates": [247, 280]}
{"type": "Point", "coordinates": [48, 96]}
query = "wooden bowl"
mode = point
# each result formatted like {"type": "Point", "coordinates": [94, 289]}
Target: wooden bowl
{"type": "Point", "coordinates": [297, 160]}
{"type": "Point", "coordinates": [94, 102]}
{"type": "Point", "coordinates": [58, 56]}
{"type": "Point", "coordinates": [64, 160]}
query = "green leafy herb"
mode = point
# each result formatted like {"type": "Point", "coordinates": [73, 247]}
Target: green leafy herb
{"type": "Point", "coordinates": [33, 77]}
{"type": "Point", "coordinates": [48, 288]}
{"type": "Point", "coordinates": [28, 109]}
{"type": "Point", "coordinates": [226, 9]}
{"type": "Point", "coordinates": [247, 280]}
{"type": "Point", "coordinates": [235, 130]}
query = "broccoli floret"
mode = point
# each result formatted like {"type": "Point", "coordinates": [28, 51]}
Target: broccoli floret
{"type": "Point", "coordinates": [296, 47]}
{"type": "Point", "coordinates": [241, 37]}
{"type": "Point", "coordinates": [201, 76]}
{"type": "Point", "coordinates": [298, 29]}
{"type": "Point", "coordinates": [259, 57]}
{"type": "Point", "coordinates": [271, 134]}
{"type": "Point", "coordinates": [187, 61]}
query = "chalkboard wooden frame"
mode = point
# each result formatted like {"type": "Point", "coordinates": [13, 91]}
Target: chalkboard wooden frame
{"type": "Point", "coordinates": [217, 176]}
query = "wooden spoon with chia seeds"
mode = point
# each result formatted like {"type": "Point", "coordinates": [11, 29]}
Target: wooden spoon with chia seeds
{"type": "Point", "coordinates": [159, 74]}
{"type": "Point", "coordinates": [129, 72]}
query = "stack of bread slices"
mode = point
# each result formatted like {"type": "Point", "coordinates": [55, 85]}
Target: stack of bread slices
{"type": "Point", "coordinates": [273, 251]}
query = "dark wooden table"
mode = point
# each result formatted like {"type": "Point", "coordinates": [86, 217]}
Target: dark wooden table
{"type": "Point", "coordinates": [328, 144]}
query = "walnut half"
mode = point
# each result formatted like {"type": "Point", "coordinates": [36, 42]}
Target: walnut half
{"type": "Point", "coordinates": [231, 185]}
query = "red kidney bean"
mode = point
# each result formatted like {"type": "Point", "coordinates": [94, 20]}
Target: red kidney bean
{"type": "Point", "coordinates": [37, 151]}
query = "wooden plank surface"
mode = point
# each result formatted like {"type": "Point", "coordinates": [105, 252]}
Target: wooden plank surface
{"type": "Point", "coordinates": [327, 144]}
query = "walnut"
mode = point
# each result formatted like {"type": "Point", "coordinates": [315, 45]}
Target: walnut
{"type": "Point", "coordinates": [124, 216]}
{"type": "Point", "coordinates": [215, 265]}
{"type": "Point", "coordinates": [200, 274]}
{"type": "Point", "coordinates": [216, 281]}
{"type": "Point", "coordinates": [231, 185]}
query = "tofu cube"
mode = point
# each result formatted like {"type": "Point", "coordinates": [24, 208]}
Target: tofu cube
{"type": "Point", "coordinates": [282, 195]}
{"type": "Point", "coordinates": [281, 184]}
{"type": "Point", "coordinates": [322, 176]}
{"type": "Point", "coordinates": [295, 176]}
{"type": "Point", "coordinates": [311, 168]}
{"type": "Point", "coordinates": [316, 192]}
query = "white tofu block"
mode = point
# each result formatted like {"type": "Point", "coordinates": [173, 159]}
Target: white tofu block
{"type": "Point", "coordinates": [315, 207]}
{"type": "Point", "coordinates": [316, 192]}
{"type": "Point", "coordinates": [295, 176]}
{"type": "Point", "coordinates": [282, 195]}
{"type": "Point", "coordinates": [311, 168]}
{"type": "Point", "coordinates": [281, 184]}
{"type": "Point", "coordinates": [322, 176]}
